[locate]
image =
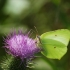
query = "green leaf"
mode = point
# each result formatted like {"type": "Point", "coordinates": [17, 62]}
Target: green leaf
{"type": "Point", "coordinates": [54, 43]}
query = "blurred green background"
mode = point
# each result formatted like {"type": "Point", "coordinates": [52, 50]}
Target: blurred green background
{"type": "Point", "coordinates": [45, 15]}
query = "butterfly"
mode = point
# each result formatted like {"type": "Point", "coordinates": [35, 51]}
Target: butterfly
{"type": "Point", "coordinates": [54, 43]}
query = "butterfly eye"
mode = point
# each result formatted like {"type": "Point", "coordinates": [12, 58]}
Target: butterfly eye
{"type": "Point", "coordinates": [38, 36]}
{"type": "Point", "coordinates": [36, 42]}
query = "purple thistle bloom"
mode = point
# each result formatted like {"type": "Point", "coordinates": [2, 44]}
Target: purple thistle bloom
{"type": "Point", "coordinates": [21, 45]}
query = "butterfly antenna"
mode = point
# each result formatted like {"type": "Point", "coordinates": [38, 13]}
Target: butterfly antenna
{"type": "Point", "coordinates": [36, 29]}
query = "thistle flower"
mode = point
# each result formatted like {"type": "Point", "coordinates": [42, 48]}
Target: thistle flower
{"type": "Point", "coordinates": [20, 45]}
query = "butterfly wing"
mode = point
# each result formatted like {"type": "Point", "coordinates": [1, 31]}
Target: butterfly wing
{"type": "Point", "coordinates": [54, 43]}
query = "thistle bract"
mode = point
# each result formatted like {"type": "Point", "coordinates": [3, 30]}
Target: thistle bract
{"type": "Point", "coordinates": [21, 45]}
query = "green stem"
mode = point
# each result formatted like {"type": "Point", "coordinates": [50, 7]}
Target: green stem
{"type": "Point", "coordinates": [18, 64]}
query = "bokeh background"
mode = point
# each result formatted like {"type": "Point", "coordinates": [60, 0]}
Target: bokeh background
{"type": "Point", "coordinates": [45, 15]}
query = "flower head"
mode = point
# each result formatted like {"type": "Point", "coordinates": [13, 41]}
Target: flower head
{"type": "Point", "coordinates": [21, 45]}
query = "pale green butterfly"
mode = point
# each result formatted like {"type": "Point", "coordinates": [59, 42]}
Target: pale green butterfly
{"type": "Point", "coordinates": [54, 43]}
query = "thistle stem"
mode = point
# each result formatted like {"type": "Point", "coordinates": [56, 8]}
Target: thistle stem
{"type": "Point", "coordinates": [18, 65]}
